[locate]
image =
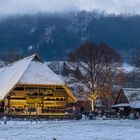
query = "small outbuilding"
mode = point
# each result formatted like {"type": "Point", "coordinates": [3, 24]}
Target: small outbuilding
{"type": "Point", "coordinates": [128, 100]}
{"type": "Point", "coordinates": [121, 104]}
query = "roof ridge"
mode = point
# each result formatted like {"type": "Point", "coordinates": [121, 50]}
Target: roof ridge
{"type": "Point", "coordinates": [28, 57]}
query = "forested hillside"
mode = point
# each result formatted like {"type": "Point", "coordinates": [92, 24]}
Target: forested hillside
{"type": "Point", "coordinates": [53, 36]}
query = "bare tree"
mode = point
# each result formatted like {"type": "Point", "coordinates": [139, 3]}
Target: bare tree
{"type": "Point", "coordinates": [55, 66]}
{"type": "Point", "coordinates": [96, 68]}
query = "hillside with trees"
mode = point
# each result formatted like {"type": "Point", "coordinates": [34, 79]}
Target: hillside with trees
{"type": "Point", "coordinates": [54, 36]}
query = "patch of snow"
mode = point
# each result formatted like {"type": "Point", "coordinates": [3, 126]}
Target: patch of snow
{"type": "Point", "coordinates": [121, 105]}
{"type": "Point", "coordinates": [71, 130]}
{"type": "Point", "coordinates": [48, 34]}
{"type": "Point", "coordinates": [40, 73]}
{"type": "Point", "coordinates": [32, 30]}
{"type": "Point", "coordinates": [49, 30]}
{"type": "Point", "coordinates": [128, 68]}
{"type": "Point", "coordinates": [26, 71]}
{"type": "Point", "coordinates": [30, 48]}
{"type": "Point", "coordinates": [10, 75]}
{"type": "Point", "coordinates": [135, 104]}
{"type": "Point", "coordinates": [132, 94]}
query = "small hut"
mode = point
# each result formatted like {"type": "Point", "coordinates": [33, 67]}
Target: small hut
{"type": "Point", "coordinates": [133, 96]}
{"type": "Point", "coordinates": [121, 104]}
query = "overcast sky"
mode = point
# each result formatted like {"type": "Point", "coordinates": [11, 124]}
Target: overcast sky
{"type": "Point", "coordinates": [33, 6]}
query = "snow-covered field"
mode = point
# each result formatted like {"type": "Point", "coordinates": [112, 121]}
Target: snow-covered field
{"type": "Point", "coordinates": [71, 130]}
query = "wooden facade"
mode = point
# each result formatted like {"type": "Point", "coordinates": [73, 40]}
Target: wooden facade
{"type": "Point", "coordinates": [38, 100]}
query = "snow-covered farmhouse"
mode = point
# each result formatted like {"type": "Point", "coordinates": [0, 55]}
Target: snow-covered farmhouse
{"type": "Point", "coordinates": [30, 87]}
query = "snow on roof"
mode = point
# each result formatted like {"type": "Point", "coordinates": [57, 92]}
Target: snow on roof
{"type": "Point", "coordinates": [40, 73]}
{"type": "Point", "coordinates": [26, 71]}
{"type": "Point", "coordinates": [127, 67]}
{"type": "Point", "coordinates": [132, 94]}
{"type": "Point", "coordinates": [135, 104]}
{"type": "Point", "coordinates": [121, 105]}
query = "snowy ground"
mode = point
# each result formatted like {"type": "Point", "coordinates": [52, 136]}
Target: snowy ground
{"type": "Point", "coordinates": [71, 130]}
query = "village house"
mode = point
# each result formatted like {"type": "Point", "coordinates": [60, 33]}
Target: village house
{"type": "Point", "coordinates": [30, 87]}
{"type": "Point", "coordinates": [127, 101]}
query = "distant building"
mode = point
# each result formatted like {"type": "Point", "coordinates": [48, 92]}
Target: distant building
{"type": "Point", "coordinates": [30, 87]}
{"type": "Point", "coordinates": [121, 98]}
{"type": "Point", "coordinates": [133, 96]}
{"type": "Point", "coordinates": [127, 100]}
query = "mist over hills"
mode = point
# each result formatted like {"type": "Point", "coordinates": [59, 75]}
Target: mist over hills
{"type": "Point", "coordinates": [53, 35]}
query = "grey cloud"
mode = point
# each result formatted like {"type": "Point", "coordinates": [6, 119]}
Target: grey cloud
{"type": "Point", "coordinates": [33, 6]}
